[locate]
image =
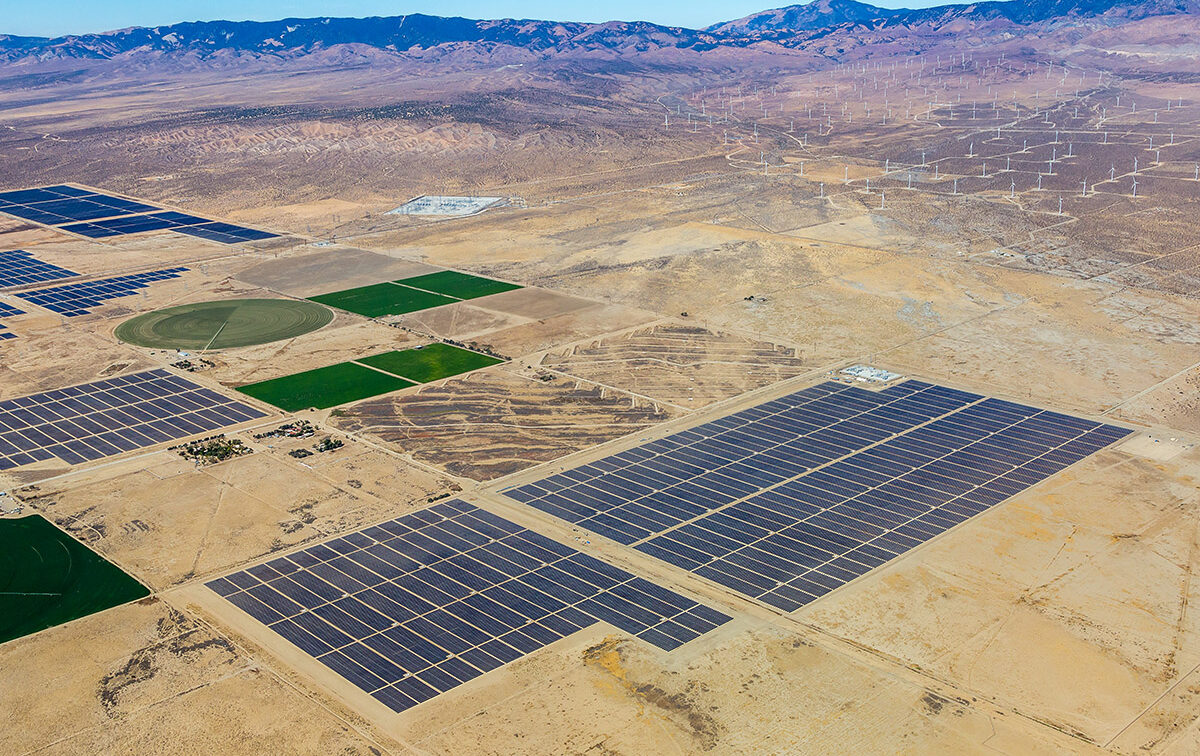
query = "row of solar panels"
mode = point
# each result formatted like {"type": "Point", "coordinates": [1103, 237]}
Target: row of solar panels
{"type": "Point", "coordinates": [112, 416]}
{"type": "Point", "coordinates": [21, 268]}
{"type": "Point", "coordinates": [411, 608]}
{"type": "Point", "coordinates": [76, 299]}
{"type": "Point", "coordinates": [97, 216]}
{"type": "Point", "coordinates": [787, 500]}
{"type": "Point", "coordinates": [8, 310]}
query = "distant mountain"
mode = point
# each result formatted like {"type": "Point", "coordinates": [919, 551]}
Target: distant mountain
{"type": "Point", "coordinates": [819, 14]}
{"type": "Point", "coordinates": [799, 27]}
{"type": "Point", "coordinates": [397, 34]}
{"type": "Point", "coordinates": [823, 14]}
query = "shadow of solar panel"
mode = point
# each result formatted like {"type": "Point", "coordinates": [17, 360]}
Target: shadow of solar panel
{"type": "Point", "coordinates": [794, 497]}
{"type": "Point", "coordinates": [95, 420]}
{"type": "Point", "coordinates": [417, 606]}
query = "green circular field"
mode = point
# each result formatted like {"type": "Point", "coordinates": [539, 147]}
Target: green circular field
{"type": "Point", "coordinates": [224, 325]}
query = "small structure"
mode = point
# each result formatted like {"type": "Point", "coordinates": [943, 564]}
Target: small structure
{"type": "Point", "coordinates": [430, 204]}
{"type": "Point", "coordinates": [868, 374]}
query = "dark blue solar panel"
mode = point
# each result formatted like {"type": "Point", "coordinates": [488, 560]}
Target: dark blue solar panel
{"type": "Point", "coordinates": [839, 480]}
{"type": "Point", "coordinates": [21, 268]}
{"type": "Point", "coordinates": [49, 193]}
{"type": "Point", "coordinates": [471, 618]}
{"type": "Point", "coordinates": [90, 230]}
{"type": "Point", "coordinates": [225, 233]}
{"type": "Point", "coordinates": [78, 299]}
{"type": "Point", "coordinates": [81, 212]}
{"type": "Point", "coordinates": [32, 213]}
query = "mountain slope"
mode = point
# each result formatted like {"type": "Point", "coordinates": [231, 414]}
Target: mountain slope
{"type": "Point", "coordinates": [818, 14]}
{"type": "Point", "coordinates": [396, 33]}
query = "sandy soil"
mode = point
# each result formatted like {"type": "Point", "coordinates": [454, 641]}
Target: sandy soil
{"type": "Point", "coordinates": [685, 365]}
{"type": "Point", "coordinates": [168, 522]}
{"type": "Point", "coordinates": [146, 676]}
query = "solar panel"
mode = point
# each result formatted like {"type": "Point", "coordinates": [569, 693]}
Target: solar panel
{"type": "Point", "coordinates": [77, 299]}
{"type": "Point", "coordinates": [8, 310]}
{"type": "Point", "coordinates": [225, 233]}
{"type": "Point", "coordinates": [97, 215]}
{"type": "Point", "coordinates": [23, 196]}
{"type": "Point", "coordinates": [788, 500]}
{"type": "Point", "coordinates": [20, 268]}
{"type": "Point", "coordinates": [115, 415]}
{"type": "Point", "coordinates": [414, 607]}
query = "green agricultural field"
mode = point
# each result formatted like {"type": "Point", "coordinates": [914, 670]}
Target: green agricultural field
{"type": "Point", "coordinates": [224, 324]}
{"type": "Point", "coordinates": [459, 285]}
{"type": "Point", "coordinates": [324, 387]}
{"type": "Point", "coordinates": [429, 363]}
{"type": "Point", "coordinates": [48, 578]}
{"type": "Point", "coordinates": [381, 299]}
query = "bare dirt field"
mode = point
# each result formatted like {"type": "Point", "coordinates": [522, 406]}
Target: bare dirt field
{"type": "Point", "coordinates": [146, 676]}
{"type": "Point", "coordinates": [307, 272]}
{"type": "Point", "coordinates": [682, 364]}
{"type": "Point", "coordinates": [167, 521]}
{"type": "Point", "coordinates": [494, 422]}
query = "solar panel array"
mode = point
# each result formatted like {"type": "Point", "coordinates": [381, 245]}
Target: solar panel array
{"type": "Point", "coordinates": [97, 215]}
{"type": "Point", "coordinates": [20, 268]}
{"type": "Point", "coordinates": [59, 205]}
{"type": "Point", "coordinates": [112, 416]}
{"type": "Point", "coordinates": [76, 299]}
{"type": "Point", "coordinates": [411, 608]}
{"type": "Point", "coordinates": [5, 311]}
{"type": "Point", "coordinates": [788, 500]}
{"type": "Point", "coordinates": [225, 233]}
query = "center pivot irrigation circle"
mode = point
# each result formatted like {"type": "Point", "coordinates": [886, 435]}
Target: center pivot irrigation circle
{"type": "Point", "coordinates": [225, 324]}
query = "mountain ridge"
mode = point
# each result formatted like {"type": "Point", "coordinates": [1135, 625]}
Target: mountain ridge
{"type": "Point", "coordinates": [792, 26]}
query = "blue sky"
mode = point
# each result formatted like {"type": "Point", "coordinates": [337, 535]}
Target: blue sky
{"type": "Point", "coordinates": [57, 17]}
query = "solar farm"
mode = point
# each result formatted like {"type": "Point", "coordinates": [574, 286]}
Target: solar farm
{"type": "Point", "coordinates": [414, 607]}
{"type": "Point", "coordinates": [20, 268]}
{"type": "Point", "coordinates": [791, 499]}
{"type": "Point", "coordinates": [681, 541]}
{"type": "Point", "coordinates": [87, 422]}
{"type": "Point", "coordinates": [96, 215]}
{"type": "Point", "coordinates": [73, 300]}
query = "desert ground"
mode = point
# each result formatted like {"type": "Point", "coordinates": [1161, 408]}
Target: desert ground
{"type": "Point", "coordinates": [672, 274]}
